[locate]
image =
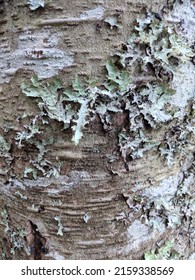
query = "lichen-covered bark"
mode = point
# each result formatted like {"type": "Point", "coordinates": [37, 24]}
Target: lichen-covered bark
{"type": "Point", "coordinates": [100, 206]}
{"type": "Point", "coordinates": [67, 36]}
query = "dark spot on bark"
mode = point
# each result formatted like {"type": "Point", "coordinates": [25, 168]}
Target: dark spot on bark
{"type": "Point", "coordinates": [41, 208]}
{"type": "Point", "coordinates": [36, 241]}
{"type": "Point", "coordinates": [193, 60]}
{"type": "Point", "coordinates": [5, 239]}
{"type": "Point", "coordinates": [99, 26]}
{"type": "Point", "coordinates": [158, 16]}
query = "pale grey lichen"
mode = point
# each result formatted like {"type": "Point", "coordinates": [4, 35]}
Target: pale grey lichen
{"type": "Point", "coordinates": [97, 14]}
{"type": "Point", "coordinates": [5, 220]}
{"type": "Point", "coordinates": [15, 235]}
{"type": "Point", "coordinates": [60, 226]}
{"type": "Point", "coordinates": [4, 146]}
{"type": "Point", "coordinates": [35, 4]}
{"type": "Point", "coordinates": [183, 14]}
{"type": "Point", "coordinates": [29, 132]}
{"type": "Point", "coordinates": [86, 217]}
{"type": "Point", "coordinates": [30, 170]}
{"type": "Point", "coordinates": [38, 164]}
{"type": "Point", "coordinates": [55, 255]}
{"type": "Point", "coordinates": [113, 21]}
{"type": "Point", "coordinates": [178, 140]}
{"type": "Point", "coordinates": [5, 156]}
{"type": "Point", "coordinates": [137, 234]}
{"type": "Point", "coordinates": [168, 204]}
{"type": "Point", "coordinates": [135, 146]}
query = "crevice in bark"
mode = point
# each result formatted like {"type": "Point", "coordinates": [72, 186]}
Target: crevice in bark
{"type": "Point", "coordinates": [36, 242]}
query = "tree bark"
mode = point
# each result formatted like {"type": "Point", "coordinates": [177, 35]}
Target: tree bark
{"type": "Point", "coordinates": [100, 206]}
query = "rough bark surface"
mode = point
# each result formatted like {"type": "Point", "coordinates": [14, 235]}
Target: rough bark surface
{"type": "Point", "coordinates": [85, 213]}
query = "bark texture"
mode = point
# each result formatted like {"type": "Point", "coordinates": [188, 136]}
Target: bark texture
{"type": "Point", "coordinates": [88, 211]}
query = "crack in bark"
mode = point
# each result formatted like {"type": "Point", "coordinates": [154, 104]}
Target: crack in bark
{"type": "Point", "coordinates": [35, 241]}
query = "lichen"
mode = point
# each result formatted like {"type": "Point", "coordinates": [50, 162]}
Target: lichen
{"type": "Point", "coordinates": [28, 133]}
{"type": "Point", "coordinates": [146, 81]}
{"type": "Point", "coordinates": [5, 156]}
{"type": "Point", "coordinates": [166, 205]}
{"type": "Point", "coordinates": [60, 226]}
{"type": "Point", "coordinates": [30, 170]}
{"type": "Point", "coordinates": [35, 4]}
{"type": "Point", "coordinates": [4, 146]}
{"type": "Point", "coordinates": [22, 196]}
{"type": "Point", "coordinates": [36, 135]}
{"type": "Point", "coordinates": [154, 53]}
{"type": "Point", "coordinates": [86, 217]}
{"type": "Point", "coordinates": [149, 81]}
{"type": "Point", "coordinates": [179, 139]}
{"type": "Point", "coordinates": [113, 22]}
{"type": "Point", "coordinates": [37, 50]}
{"type": "Point", "coordinates": [15, 235]}
{"type": "Point", "coordinates": [162, 253]}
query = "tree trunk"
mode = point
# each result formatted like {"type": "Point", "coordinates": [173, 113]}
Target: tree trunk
{"type": "Point", "coordinates": [116, 179]}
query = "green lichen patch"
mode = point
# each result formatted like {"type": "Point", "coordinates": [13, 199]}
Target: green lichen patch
{"type": "Point", "coordinates": [117, 79]}
{"type": "Point", "coordinates": [138, 83]}
{"type": "Point", "coordinates": [162, 253]}
{"type": "Point", "coordinates": [49, 95]}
